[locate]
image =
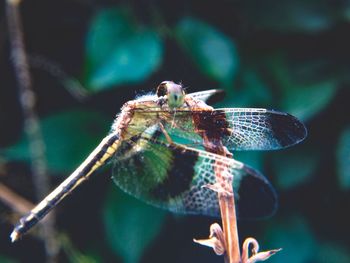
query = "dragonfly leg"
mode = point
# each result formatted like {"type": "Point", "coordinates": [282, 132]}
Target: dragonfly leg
{"type": "Point", "coordinates": [167, 136]}
{"type": "Point", "coordinates": [217, 187]}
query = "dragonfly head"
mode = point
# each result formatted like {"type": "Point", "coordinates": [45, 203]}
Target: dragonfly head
{"type": "Point", "coordinates": [174, 93]}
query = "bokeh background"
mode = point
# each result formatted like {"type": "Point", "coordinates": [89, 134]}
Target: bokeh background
{"type": "Point", "coordinates": [89, 57]}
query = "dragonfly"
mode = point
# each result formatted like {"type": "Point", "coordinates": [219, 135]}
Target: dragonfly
{"type": "Point", "coordinates": [165, 147]}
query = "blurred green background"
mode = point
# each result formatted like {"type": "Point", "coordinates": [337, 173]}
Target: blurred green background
{"type": "Point", "coordinates": [89, 57]}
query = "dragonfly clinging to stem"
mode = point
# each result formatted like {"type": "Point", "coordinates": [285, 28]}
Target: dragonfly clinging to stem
{"type": "Point", "coordinates": [161, 153]}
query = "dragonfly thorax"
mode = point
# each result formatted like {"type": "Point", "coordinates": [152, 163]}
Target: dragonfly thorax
{"type": "Point", "coordinates": [173, 93]}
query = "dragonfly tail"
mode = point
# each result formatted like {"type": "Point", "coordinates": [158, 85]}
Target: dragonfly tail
{"type": "Point", "coordinates": [96, 159]}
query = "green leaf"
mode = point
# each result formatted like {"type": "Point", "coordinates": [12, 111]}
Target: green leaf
{"type": "Point", "coordinates": [294, 236]}
{"type": "Point", "coordinates": [119, 51]}
{"type": "Point", "coordinates": [346, 11]}
{"type": "Point", "coordinates": [253, 91]}
{"type": "Point", "coordinates": [4, 259]}
{"type": "Point", "coordinates": [213, 52]}
{"type": "Point", "coordinates": [343, 159]}
{"type": "Point", "coordinates": [76, 256]}
{"type": "Point", "coordinates": [294, 166]}
{"type": "Point", "coordinates": [291, 15]}
{"type": "Point", "coordinates": [68, 136]}
{"type": "Point", "coordinates": [253, 84]}
{"type": "Point", "coordinates": [305, 101]}
{"type": "Point", "coordinates": [332, 253]}
{"type": "Point", "coordinates": [130, 225]}
{"type": "Point", "coordinates": [301, 96]}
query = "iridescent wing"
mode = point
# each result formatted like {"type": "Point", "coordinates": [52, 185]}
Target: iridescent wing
{"type": "Point", "coordinates": [172, 176]}
{"type": "Point", "coordinates": [239, 128]}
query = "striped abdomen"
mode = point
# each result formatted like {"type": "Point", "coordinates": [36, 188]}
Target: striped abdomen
{"type": "Point", "coordinates": [97, 158]}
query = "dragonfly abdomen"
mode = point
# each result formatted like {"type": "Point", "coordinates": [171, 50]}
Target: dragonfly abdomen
{"type": "Point", "coordinates": [97, 158]}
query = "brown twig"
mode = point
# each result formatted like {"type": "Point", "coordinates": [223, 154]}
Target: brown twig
{"type": "Point", "coordinates": [226, 199]}
{"type": "Point", "coordinates": [229, 223]}
{"type": "Point", "coordinates": [16, 202]}
{"type": "Point", "coordinates": [72, 85]}
{"type": "Point", "coordinates": [225, 242]}
{"type": "Point", "coordinates": [228, 237]}
{"type": "Point", "coordinates": [31, 123]}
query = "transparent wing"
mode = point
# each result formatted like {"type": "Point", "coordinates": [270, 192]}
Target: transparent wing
{"type": "Point", "coordinates": [239, 128]}
{"type": "Point", "coordinates": [172, 177]}
{"type": "Point", "coordinates": [261, 129]}
{"type": "Point", "coordinates": [208, 96]}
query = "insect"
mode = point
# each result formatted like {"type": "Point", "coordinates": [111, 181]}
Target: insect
{"type": "Point", "coordinates": [167, 146]}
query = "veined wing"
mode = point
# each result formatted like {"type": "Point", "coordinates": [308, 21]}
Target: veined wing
{"type": "Point", "coordinates": [239, 128]}
{"type": "Point", "coordinates": [261, 129]}
{"type": "Point", "coordinates": [208, 96]}
{"type": "Point", "coordinates": [172, 177]}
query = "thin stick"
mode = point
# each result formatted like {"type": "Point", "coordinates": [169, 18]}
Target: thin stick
{"type": "Point", "coordinates": [31, 123]}
{"type": "Point", "coordinates": [226, 199]}
{"type": "Point", "coordinates": [224, 189]}
{"type": "Point", "coordinates": [13, 200]}
{"type": "Point", "coordinates": [229, 223]}
{"type": "Point", "coordinates": [72, 85]}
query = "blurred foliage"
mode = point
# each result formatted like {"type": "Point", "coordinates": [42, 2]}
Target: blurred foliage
{"type": "Point", "coordinates": [343, 158]}
{"type": "Point", "coordinates": [130, 225]}
{"type": "Point", "coordinates": [287, 234]}
{"type": "Point", "coordinates": [286, 55]}
{"type": "Point", "coordinates": [332, 253]}
{"type": "Point", "coordinates": [205, 44]}
{"type": "Point", "coordinates": [74, 255]}
{"type": "Point", "coordinates": [4, 259]}
{"type": "Point", "coordinates": [301, 96]}
{"type": "Point", "coordinates": [296, 231]}
{"type": "Point", "coordinates": [295, 167]}
{"type": "Point", "coordinates": [119, 51]}
{"type": "Point", "coordinates": [310, 16]}
{"type": "Point", "coordinates": [70, 135]}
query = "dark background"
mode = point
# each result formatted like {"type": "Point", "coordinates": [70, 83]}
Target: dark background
{"type": "Point", "coordinates": [287, 55]}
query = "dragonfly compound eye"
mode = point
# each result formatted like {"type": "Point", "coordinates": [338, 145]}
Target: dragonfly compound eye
{"type": "Point", "coordinates": [162, 89]}
{"type": "Point", "coordinates": [175, 95]}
